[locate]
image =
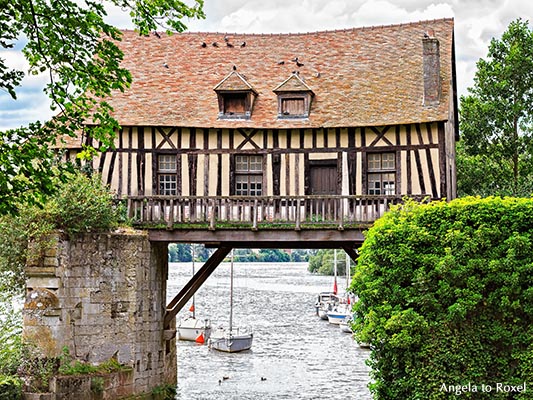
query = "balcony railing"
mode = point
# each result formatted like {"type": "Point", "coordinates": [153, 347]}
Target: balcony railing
{"type": "Point", "coordinates": [274, 212]}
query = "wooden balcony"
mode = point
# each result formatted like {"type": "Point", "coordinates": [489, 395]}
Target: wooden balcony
{"type": "Point", "coordinates": [258, 213]}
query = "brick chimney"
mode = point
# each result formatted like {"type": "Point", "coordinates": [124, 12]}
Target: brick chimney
{"type": "Point", "coordinates": [431, 55]}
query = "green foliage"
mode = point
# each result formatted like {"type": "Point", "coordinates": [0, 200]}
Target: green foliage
{"type": "Point", "coordinates": [72, 43]}
{"type": "Point", "coordinates": [36, 369]}
{"type": "Point", "coordinates": [82, 204]}
{"type": "Point", "coordinates": [10, 387]}
{"type": "Point", "coordinates": [323, 262]}
{"type": "Point", "coordinates": [445, 297]}
{"type": "Point", "coordinates": [273, 255]}
{"type": "Point", "coordinates": [495, 156]}
{"type": "Point", "coordinates": [10, 336]}
{"type": "Point", "coordinates": [70, 366]}
{"type": "Point", "coordinates": [180, 252]}
{"type": "Point", "coordinates": [165, 392]}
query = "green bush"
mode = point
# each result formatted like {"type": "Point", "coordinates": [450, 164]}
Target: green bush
{"type": "Point", "coordinates": [83, 204]}
{"type": "Point", "coordinates": [10, 387]}
{"type": "Point", "coordinates": [446, 300]}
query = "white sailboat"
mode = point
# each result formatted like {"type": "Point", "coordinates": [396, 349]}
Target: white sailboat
{"type": "Point", "coordinates": [231, 340]}
{"type": "Point", "coordinates": [190, 328]}
{"type": "Point", "coordinates": [343, 309]}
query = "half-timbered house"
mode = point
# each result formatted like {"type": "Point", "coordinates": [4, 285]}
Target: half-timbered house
{"type": "Point", "coordinates": [310, 128]}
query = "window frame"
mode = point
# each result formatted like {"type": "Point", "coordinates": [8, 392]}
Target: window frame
{"type": "Point", "coordinates": [225, 95]}
{"type": "Point", "coordinates": [167, 177]}
{"type": "Point", "coordinates": [282, 97]}
{"type": "Point", "coordinates": [250, 174]}
{"type": "Point", "coordinates": [386, 173]}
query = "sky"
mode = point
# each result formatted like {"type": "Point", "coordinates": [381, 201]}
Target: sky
{"type": "Point", "coordinates": [476, 23]}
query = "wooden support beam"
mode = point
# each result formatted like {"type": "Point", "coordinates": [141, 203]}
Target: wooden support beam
{"type": "Point", "coordinates": [194, 284]}
{"type": "Point", "coordinates": [351, 252]}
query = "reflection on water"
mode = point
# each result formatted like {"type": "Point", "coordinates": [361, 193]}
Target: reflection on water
{"type": "Point", "coordinates": [295, 355]}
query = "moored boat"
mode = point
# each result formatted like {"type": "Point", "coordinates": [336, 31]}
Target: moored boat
{"type": "Point", "coordinates": [326, 302]}
{"type": "Point", "coordinates": [231, 341]}
{"type": "Point", "coordinates": [339, 313]}
{"type": "Point", "coordinates": [190, 328]}
{"type": "Point", "coordinates": [194, 329]}
{"type": "Point", "coordinates": [345, 324]}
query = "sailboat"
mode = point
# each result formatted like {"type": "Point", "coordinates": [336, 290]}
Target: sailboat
{"type": "Point", "coordinates": [190, 328]}
{"type": "Point", "coordinates": [341, 310]}
{"type": "Point", "coordinates": [231, 340]}
{"type": "Point", "coordinates": [328, 301]}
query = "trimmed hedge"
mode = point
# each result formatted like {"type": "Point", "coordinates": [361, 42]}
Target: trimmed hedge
{"type": "Point", "coordinates": [446, 300]}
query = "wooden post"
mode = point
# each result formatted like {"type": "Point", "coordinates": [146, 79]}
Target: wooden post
{"type": "Point", "coordinates": [212, 218]}
{"type": "Point", "coordinates": [254, 217]}
{"type": "Point", "coordinates": [297, 226]}
{"type": "Point", "coordinates": [170, 221]}
{"type": "Point", "coordinates": [194, 284]}
{"type": "Point", "coordinates": [341, 214]}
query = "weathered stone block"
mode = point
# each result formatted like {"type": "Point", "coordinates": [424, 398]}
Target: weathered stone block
{"type": "Point", "coordinates": [43, 282]}
{"type": "Point", "coordinates": [35, 270]}
{"type": "Point", "coordinates": [38, 396]}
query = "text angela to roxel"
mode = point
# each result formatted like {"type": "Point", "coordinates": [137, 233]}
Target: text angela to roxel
{"type": "Point", "coordinates": [483, 388]}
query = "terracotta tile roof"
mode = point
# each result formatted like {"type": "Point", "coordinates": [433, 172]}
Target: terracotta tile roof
{"type": "Point", "coordinates": [360, 77]}
{"type": "Point", "coordinates": [234, 81]}
{"type": "Point", "coordinates": [293, 84]}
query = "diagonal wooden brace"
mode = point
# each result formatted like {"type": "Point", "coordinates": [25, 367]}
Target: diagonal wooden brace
{"type": "Point", "coordinates": [194, 284]}
{"type": "Point", "coordinates": [351, 252]}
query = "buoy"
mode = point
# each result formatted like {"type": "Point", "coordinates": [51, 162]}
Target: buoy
{"type": "Point", "coordinates": [200, 339]}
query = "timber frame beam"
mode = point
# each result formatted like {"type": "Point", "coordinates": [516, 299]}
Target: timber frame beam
{"type": "Point", "coordinates": [194, 284]}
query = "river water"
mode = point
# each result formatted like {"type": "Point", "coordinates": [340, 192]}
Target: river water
{"type": "Point", "coordinates": [295, 355]}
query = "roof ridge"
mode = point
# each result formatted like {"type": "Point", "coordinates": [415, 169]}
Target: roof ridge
{"type": "Point", "coordinates": [358, 28]}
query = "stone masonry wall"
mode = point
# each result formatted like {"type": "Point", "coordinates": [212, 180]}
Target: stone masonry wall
{"type": "Point", "coordinates": [103, 296]}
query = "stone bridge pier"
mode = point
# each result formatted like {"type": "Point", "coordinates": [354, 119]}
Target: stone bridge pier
{"type": "Point", "coordinates": [101, 296]}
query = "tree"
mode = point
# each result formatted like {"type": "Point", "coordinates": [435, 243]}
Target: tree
{"type": "Point", "coordinates": [496, 154]}
{"type": "Point", "coordinates": [70, 42]}
{"type": "Point", "coordinates": [273, 255]}
{"type": "Point", "coordinates": [322, 262]}
{"type": "Point", "coordinates": [445, 298]}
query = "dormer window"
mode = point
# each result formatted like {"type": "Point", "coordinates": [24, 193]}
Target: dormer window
{"type": "Point", "coordinates": [234, 103]}
{"type": "Point", "coordinates": [235, 97]}
{"type": "Point", "coordinates": [293, 106]}
{"type": "Point", "coordinates": [294, 98]}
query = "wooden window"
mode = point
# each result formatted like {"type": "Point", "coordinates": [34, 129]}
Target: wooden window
{"type": "Point", "coordinates": [234, 104]}
{"type": "Point", "coordinates": [293, 106]}
{"type": "Point", "coordinates": [167, 178]}
{"type": "Point", "coordinates": [381, 174]}
{"type": "Point", "coordinates": [248, 175]}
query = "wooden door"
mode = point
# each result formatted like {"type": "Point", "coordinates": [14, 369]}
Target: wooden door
{"type": "Point", "coordinates": [323, 179]}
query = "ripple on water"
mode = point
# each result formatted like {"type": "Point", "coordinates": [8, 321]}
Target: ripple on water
{"type": "Point", "coordinates": [298, 355]}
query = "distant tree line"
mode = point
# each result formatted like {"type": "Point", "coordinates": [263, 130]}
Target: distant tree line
{"type": "Point", "coordinates": [180, 252]}
{"type": "Point", "coordinates": [322, 262]}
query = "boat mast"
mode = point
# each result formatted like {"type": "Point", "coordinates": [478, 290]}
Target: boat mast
{"type": "Point", "coordinates": [231, 294]}
{"type": "Point", "coordinates": [335, 271]}
{"type": "Point", "coordinates": [193, 304]}
{"type": "Point", "coordinates": [347, 270]}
